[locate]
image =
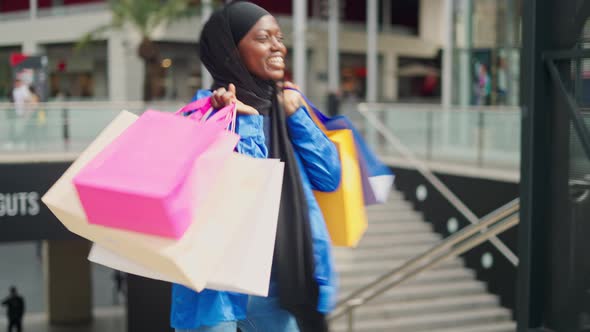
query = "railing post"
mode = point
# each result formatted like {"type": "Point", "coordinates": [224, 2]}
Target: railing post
{"type": "Point", "coordinates": [371, 134]}
{"type": "Point", "coordinates": [350, 320]}
{"type": "Point", "coordinates": [429, 135]}
{"type": "Point", "coordinates": [65, 119]}
{"type": "Point", "coordinates": [11, 120]}
{"type": "Point", "coordinates": [480, 138]}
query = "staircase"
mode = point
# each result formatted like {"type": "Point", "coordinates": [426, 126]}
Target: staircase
{"type": "Point", "coordinates": [447, 298]}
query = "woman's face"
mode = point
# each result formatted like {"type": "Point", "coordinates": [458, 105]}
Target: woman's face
{"type": "Point", "coordinates": [262, 50]}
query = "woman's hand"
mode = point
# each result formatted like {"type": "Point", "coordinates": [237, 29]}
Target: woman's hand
{"type": "Point", "coordinates": [291, 99]}
{"type": "Point", "coordinates": [222, 97]}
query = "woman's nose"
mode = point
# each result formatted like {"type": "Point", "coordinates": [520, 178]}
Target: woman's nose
{"type": "Point", "coordinates": [276, 44]}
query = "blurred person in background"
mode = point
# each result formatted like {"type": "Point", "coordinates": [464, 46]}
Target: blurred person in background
{"type": "Point", "coordinates": [15, 310]}
{"type": "Point", "coordinates": [502, 86]}
{"type": "Point", "coordinates": [483, 85]}
{"type": "Point", "coordinates": [33, 119]}
{"type": "Point", "coordinates": [242, 47]}
{"type": "Point", "coordinates": [120, 286]}
{"type": "Point", "coordinates": [21, 96]}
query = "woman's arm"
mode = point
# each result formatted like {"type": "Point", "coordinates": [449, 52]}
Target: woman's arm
{"type": "Point", "coordinates": [318, 154]}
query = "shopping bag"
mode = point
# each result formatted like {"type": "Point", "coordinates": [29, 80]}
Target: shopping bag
{"type": "Point", "coordinates": [246, 262]}
{"type": "Point", "coordinates": [344, 208]}
{"type": "Point", "coordinates": [193, 258]}
{"type": "Point", "coordinates": [139, 182]}
{"type": "Point", "coordinates": [376, 176]}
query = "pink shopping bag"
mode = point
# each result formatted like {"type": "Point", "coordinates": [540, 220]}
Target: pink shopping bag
{"type": "Point", "coordinates": [142, 181]}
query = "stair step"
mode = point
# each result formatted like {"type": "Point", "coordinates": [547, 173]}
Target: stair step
{"type": "Point", "coordinates": [430, 322]}
{"type": "Point", "coordinates": [416, 291]}
{"type": "Point", "coordinates": [398, 236]}
{"type": "Point", "coordinates": [403, 226]}
{"type": "Point", "coordinates": [364, 270]}
{"type": "Point", "coordinates": [485, 327]}
{"type": "Point", "coordinates": [397, 205]}
{"type": "Point", "coordinates": [394, 240]}
{"type": "Point", "coordinates": [392, 207]}
{"type": "Point", "coordinates": [446, 298]}
{"type": "Point", "coordinates": [346, 255]}
{"type": "Point", "coordinates": [397, 214]}
{"type": "Point", "coordinates": [386, 265]}
{"type": "Point", "coordinates": [389, 222]}
{"type": "Point", "coordinates": [381, 309]}
{"type": "Point", "coordinates": [349, 286]}
{"type": "Point", "coordinates": [392, 201]}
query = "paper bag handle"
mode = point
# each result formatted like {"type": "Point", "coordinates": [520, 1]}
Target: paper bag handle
{"type": "Point", "coordinates": [202, 108]}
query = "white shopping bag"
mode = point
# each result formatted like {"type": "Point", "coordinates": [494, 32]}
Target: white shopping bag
{"type": "Point", "coordinates": [246, 263]}
{"type": "Point", "coordinates": [194, 258]}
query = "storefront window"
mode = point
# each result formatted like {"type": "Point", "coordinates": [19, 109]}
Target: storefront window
{"type": "Point", "coordinates": [77, 75]}
{"type": "Point", "coordinates": [487, 52]}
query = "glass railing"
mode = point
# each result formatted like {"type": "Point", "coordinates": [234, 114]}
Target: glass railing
{"type": "Point", "coordinates": [66, 10]}
{"type": "Point", "coordinates": [482, 136]}
{"type": "Point", "coordinates": [55, 128]}
{"type": "Point", "coordinates": [73, 9]}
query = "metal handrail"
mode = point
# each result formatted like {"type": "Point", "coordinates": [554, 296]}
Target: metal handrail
{"type": "Point", "coordinates": [490, 225]}
{"type": "Point", "coordinates": [469, 244]}
{"type": "Point", "coordinates": [433, 179]}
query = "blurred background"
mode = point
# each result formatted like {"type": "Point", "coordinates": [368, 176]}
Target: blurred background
{"type": "Point", "coordinates": [443, 90]}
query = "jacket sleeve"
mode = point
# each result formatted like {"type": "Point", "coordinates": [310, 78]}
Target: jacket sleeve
{"type": "Point", "coordinates": [318, 154]}
{"type": "Point", "coordinates": [252, 141]}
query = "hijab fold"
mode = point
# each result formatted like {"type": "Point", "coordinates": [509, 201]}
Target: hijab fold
{"type": "Point", "coordinates": [293, 260]}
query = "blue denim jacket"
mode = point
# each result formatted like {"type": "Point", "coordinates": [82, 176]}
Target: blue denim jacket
{"type": "Point", "coordinates": [319, 166]}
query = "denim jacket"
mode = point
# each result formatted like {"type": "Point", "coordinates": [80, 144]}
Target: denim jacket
{"type": "Point", "coordinates": [319, 167]}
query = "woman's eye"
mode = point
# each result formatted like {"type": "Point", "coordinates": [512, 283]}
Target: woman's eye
{"type": "Point", "coordinates": [280, 38]}
{"type": "Point", "coordinates": [262, 38]}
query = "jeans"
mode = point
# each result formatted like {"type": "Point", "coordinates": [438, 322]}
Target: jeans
{"type": "Point", "coordinates": [264, 315]}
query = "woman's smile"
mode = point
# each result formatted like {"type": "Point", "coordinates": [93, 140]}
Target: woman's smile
{"type": "Point", "coordinates": [276, 62]}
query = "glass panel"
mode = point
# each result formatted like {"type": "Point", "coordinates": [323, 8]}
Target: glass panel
{"type": "Point", "coordinates": [486, 64]}
{"type": "Point", "coordinates": [482, 137]}
{"type": "Point", "coordinates": [51, 129]}
{"type": "Point", "coordinates": [501, 139]}
{"type": "Point", "coordinates": [455, 136]}
{"type": "Point", "coordinates": [410, 127]}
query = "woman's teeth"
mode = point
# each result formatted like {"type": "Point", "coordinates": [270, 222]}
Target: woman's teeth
{"type": "Point", "coordinates": [276, 61]}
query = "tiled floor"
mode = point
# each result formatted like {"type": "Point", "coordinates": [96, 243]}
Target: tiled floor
{"type": "Point", "coordinates": [106, 319]}
{"type": "Point", "coordinates": [20, 266]}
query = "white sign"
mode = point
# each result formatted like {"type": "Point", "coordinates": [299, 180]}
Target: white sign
{"type": "Point", "coordinates": [19, 204]}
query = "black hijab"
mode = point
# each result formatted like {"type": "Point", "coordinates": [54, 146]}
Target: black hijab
{"type": "Point", "coordinates": [293, 261]}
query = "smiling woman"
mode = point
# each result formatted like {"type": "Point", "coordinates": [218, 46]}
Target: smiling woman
{"type": "Point", "coordinates": [263, 51]}
{"type": "Point", "coordinates": [242, 47]}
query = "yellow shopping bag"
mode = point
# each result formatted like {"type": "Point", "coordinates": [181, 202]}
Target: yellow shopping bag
{"type": "Point", "coordinates": [343, 209]}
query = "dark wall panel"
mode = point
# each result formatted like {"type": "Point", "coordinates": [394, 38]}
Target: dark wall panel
{"type": "Point", "coordinates": [23, 217]}
{"type": "Point", "coordinates": [148, 305]}
{"type": "Point", "coordinates": [482, 196]}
